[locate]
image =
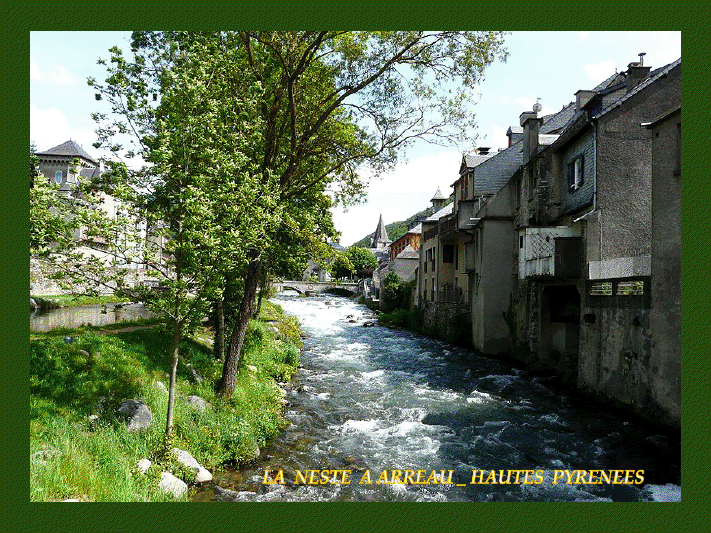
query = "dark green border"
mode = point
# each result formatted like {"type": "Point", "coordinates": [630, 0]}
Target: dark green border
{"type": "Point", "coordinates": [692, 18]}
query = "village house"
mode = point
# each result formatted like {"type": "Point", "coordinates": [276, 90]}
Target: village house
{"type": "Point", "coordinates": [665, 360]}
{"type": "Point", "coordinates": [66, 165]}
{"type": "Point", "coordinates": [583, 217]}
{"type": "Point", "coordinates": [411, 238]}
{"type": "Point", "coordinates": [488, 219]}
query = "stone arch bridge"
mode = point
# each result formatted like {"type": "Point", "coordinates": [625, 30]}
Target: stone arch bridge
{"type": "Point", "coordinates": [305, 287]}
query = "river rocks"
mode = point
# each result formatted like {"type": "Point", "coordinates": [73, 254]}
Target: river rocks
{"type": "Point", "coordinates": [369, 324]}
{"type": "Point", "coordinates": [136, 413]}
{"type": "Point", "coordinates": [197, 403]}
{"type": "Point", "coordinates": [185, 459]}
{"type": "Point", "coordinates": [33, 304]}
{"type": "Point", "coordinates": [172, 485]}
{"type": "Point", "coordinates": [143, 465]}
{"type": "Point", "coordinates": [45, 455]}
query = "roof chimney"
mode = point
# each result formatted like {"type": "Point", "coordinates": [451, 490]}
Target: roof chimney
{"type": "Point", "coordinates": [637, 72]}
{"type": "Point", "coordinates": [582, 97]}
{"type": "Point", "coordinates": [531, 126]}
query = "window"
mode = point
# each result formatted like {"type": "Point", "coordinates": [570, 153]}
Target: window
{"type": "Point", "coordinates": [575, 173]}
{"type": "Point", "coordinates": [627, 288]}
{"type": "Point", "coordinates": [58, 177]}
{"type": "Point", "coordinates": [601, 288]}
{"type": "Point", "coordinates": [447, 253]}
{"type": "Point", "coordinates": [456, 257]}
{"type": "Point", "coordinates": [465, 186]}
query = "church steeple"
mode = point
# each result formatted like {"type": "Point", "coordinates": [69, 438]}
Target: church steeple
{"type": "Point", "coordinates": [380, 237]}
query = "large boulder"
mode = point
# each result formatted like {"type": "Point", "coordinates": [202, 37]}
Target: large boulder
{"type": "Point", "coordinates": [172, 485]}
{"type": "Point", "coordinates": [187, 460]}
{"type": "Point", "coordinates": [198, 403]}
{"type": "Point", "coordinates": [136, 413]}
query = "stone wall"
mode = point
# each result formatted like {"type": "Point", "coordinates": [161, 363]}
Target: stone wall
{"type": "Point", "coordinates": [42, 284]}
{"type": "Point", "coordinates": [449, 321]}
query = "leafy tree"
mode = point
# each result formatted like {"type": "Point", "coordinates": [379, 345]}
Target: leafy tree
{"type": "Point", "coordinates": [363, 261]}
{"type": "Point", "coordinates": [326, 102]}
{"type": "Point", "coordinates": [342, 266]}
{"type": "Point", "coordinates": [333, 100]}
{"type": "Point", "coordinates": [198, 193]}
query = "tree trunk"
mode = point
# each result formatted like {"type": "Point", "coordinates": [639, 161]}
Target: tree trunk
{"type": "Point", "coordinates": [263, 287]}
{"type": "Point", "coordinates": [232, 358]}
{"type": "Point", "coordinates": [177, 326]}
{"type": "Point", "coordinates": [218, 349]}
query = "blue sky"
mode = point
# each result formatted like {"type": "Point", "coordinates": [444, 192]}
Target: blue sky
{"type": "Point", "coordinates": [551, 66]}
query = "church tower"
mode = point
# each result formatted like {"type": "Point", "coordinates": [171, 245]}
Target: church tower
{"type": "Point", "coordinates": [380, 237]}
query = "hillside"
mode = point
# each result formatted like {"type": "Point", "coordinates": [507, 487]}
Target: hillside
{"type": "Point", "coordinates": [398, 229]}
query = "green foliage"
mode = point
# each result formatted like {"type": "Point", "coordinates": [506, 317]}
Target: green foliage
{"type": "Point", "coordinates": [362, 259]}
{"type": "Point", "coordinates": [96, 461]}
{"type": "Point", "coordinates": [342, 266]}
{"type": "Point", "coordinates": [396, 294]}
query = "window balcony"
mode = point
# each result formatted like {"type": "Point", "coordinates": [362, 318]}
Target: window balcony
{"type": "Point", "coordinates": [550, 252]}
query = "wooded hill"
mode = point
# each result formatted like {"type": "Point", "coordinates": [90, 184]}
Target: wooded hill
{"type": "Point", "coordinates": [398, 229]}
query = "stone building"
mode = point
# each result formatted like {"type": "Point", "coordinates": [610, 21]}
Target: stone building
{"type": "Point", "coordinates": [411, 238]}
{"type": "Point", "coordinates": [665, 359]}
{"type": "Point", "coordinates": [583, 217]}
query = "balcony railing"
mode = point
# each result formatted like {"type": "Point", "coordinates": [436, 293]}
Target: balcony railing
{"type": "Point", "coordinates": [550, 252]}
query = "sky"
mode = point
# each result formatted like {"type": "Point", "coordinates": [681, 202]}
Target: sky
{"type": "Point", "coordinates": [550, 66]}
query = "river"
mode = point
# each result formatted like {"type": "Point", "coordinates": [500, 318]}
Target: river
{"type": "Point", "coordinates": [369, 399]}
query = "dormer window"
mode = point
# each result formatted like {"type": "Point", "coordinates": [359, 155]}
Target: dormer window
{"type": "Point", "coordinates": [575, 173]}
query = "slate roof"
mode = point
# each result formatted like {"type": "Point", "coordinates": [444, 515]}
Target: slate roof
{"type": "Point", "coordinates": [446, 210]}
{"type": "Point", "coordinates": [416, 230]}
{"type": "Point", "coordinates": [408, 253]}
{"type": "Point", "coordinates": [551, 123]}
{"type": "Point", "coordinates": [69, 148]}
{"type": "Point", "coordinates": [381, 234]}
{"type": "Point", "coordinates": [438, 195]}
{"type": "Point", "coordinates": [653, 76]}
{"type": "Point", "coordinates": [472, 160]}
{"type": "Point", "coordinates": [495, 172]}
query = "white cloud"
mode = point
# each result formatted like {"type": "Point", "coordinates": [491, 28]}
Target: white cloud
{"type": "Point", "coordinates": [49, 127]}
{"type": "Point", "coordinates": [35, 73]}
{"type": "Point", "coordinates": [600, 71]}
{"type": "Point", "coordinates": [60, 75]}
{"type": "Point", "coordinates": [419, 175]}
{"type": "Point", "coordinates": [399, 194]}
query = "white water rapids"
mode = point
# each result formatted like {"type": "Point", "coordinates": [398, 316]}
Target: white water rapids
{"type": "Point", "coordinates": [375, 399]}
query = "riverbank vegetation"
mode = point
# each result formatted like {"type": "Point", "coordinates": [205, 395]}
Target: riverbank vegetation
{"type": "Point", "coordinates": [248, 138]}
{"type": "Point", "coordinates": [399, 311]}
{"type": "Point", "coordinates": [80, 448]}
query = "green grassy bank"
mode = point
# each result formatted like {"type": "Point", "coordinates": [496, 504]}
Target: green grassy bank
{"type": "Point", "coordinates": [73, 456]}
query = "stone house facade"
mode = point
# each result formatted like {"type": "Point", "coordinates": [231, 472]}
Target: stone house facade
{"type": "Point", "coordinates": [583, 217]}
